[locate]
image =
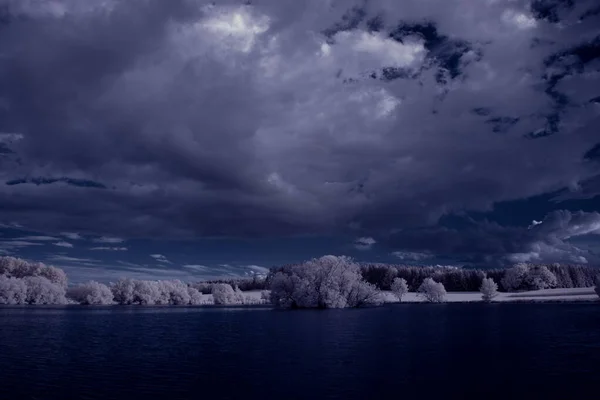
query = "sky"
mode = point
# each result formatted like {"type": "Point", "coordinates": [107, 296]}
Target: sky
{"type": "Point", "coordinates": [193, 139]}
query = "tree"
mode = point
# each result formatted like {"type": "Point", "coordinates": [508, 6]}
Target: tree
{"type": "Point", "coordinates": [432, 291]}
{"type": "Point", "coordinates": [326, 282]}
{"type": "Point", "coordinates": [488, 289]}
{"type": "Point", "coordinates": [399, 287]}
{"type": "Point", "coordinates": [223, 294]}
{"type": "Point", "coordinates": [195, 296]}
{"type": "Point", "coordinates": [123, 291]}
{"type": "Point", "coordinates": [91, 292]}
{"type": "Point", "coordinates": [514, 277]}
{"type": "Point", "coordinates": [19, 268]}
{"type": "Point", "coordinates": [41, 291]}
{"type": "Point", "coordinates": [598, 286]}
{"type": "Point", "coordinates": [12, 290]}
{"type": "Point", "coordinates": [540, 277]}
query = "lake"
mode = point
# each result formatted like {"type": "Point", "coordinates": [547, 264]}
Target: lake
{"type": "Point", "coordinates": [475, 351]}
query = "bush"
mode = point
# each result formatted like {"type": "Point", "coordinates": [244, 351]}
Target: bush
{"type": "Point", "coordinates": [432, 291]}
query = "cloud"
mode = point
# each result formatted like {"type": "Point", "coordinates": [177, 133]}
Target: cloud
{"type": "Point", "coordinates": [285, 117]}
{"type": "Point", "coordinates": [69, 259]}
{"type": "Point", "coordinates": [72, 235]}
{"type": "Point", "coordinates": [37, 238]}
{"type": "Point", "coordinates": [197, 267]}
{"type": "Point", "coordinates": [160, 258]}
{"type": "Point", "coordinates": [63, 244]}
{"type": "Point", "coordinates": [105, 239]}
{"type": "Point", "coordinates": [493, 244]}
{"type": "Point", "coordinates": [103, 248]}
{"type": "Point", "coordinates": [18, 243]}
{"type": "Point", "coordinates": [364, 243]}
{"type": "Point", "coordinates": [411, 256]}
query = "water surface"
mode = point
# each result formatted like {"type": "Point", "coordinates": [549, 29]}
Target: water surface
{"type": "Point", "coordinates": [508, 351]}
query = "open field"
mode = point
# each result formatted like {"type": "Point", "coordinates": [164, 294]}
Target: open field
{"type": "Point", "coordinates": [573, 294]}
{"type": "Point", "coordinates": [562, 295]}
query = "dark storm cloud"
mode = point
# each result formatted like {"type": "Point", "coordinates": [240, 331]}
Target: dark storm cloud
{"type": "Point", "coordinates": [182, 118]}
{"type": "Point", "coordinates": [489, 242]}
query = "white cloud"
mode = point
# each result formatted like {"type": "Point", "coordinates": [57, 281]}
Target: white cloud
{"type": "Point", "coordinates": [160, 258]}
{"type": "Point", "coordinates": [233, 27]}
{"type": "Point", "coordinates": [257, 269]}
{"type": "Point", "coordinates": [18, 243]}
{"type": "Point", "coordinates": [196, 267]}
{"type": "Point", "coordinates": [534, 223]}
{"type": "Point", "coordinates": [72, 235]}
{"type": "Point", "coordinates": [411, 255]}
{"type": "Point", "coordinates": [106, 239]}
{"type": "Point", "coordinates": [104, 248]}
{"type": "Point", "coordinates": [63, 244]}
{"type": "Point", "coordinates": [519, 20]}
{"type": "Point", "coordinates": [364, 243]}
{"type": "Point", "coordinates": [37, 238]}
{"type": "Point", "coordinates": [63, 258]}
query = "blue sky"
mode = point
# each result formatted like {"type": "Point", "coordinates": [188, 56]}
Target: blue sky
{"type": "Point", "coordinates": [232, 136]}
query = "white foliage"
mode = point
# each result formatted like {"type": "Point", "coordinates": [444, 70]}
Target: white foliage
{"type": "Point", "coordinates": [265, 295]}
{"type": "Point", "coordinates": [12, 290]}
{"type": "Point", "coordinates": [514, 277]}
{"type": "Point", "coordinates": [19, 268]}
{"type": "Point", "coordinates": [326, 282]}
{"type": "Point", "coordinates": [598, 286]}
{"type": "Point", "coordinates": [147, 293]}
{"type": "Point", "coordinates": [399, 287]}
{"type": "Point", "coordinates": [432, 291]}
{"type": "Point", "coordinates": [41, 291]}
{"type": "Point", "coordinates": [528, 277]}
{"type": "Point", "coordinates": [223, 294]}
{"type": "Point", "coordinates": [540, 277]}
{"type": "Point", "coordinates": [195, 296]}
{"type": "Point", "coordinates": [123, 291]}
{"type": "Point", "coordinates": [488, 289]}
{"type": "Point", "coordinates": [239, 296]}
{"type": "Point", "coordinates": [91, 292]}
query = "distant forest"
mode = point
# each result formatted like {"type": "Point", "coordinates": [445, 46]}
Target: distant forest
{"type": "Point", "coordinates": [455, 279]}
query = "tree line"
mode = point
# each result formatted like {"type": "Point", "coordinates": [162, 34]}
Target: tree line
{"type": "Point", "coordinates": [325, 282]}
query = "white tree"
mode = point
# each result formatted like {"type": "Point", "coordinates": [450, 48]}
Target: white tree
{"type": "Point", "coordinates": [223, 294]}
{"type": "Point", "coordinates": [265, 296]}
{"type": "Point", "coordinates": [540, 277]}
{"type": "Point", "coordinates": [432, 291]}
{"type": "Point", "coordinates": [123, 291]}
{"type": "Point", "coordinates": [515, 277]}
{"type": "Point", "coordinates": [239, 296]}
{"type": "Point", "coordinates": [326, 282]}
{"type": "Point", "coordinates": [195, 296]}
{"type": "Point", "coordinates": [488, 289]}
{"type": "Point", "coordinates": [41, 291]}
{"type": "Point", "coordinates": [12, 290]}
{"type": "Point", "coordinates": [399, 287]}
{"type": "Point", "coordinates": [91, 292]}
{"type": "Point", "coordinates": [598, 286]}
{"type": "Point", "coordinates": [19, 268]}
